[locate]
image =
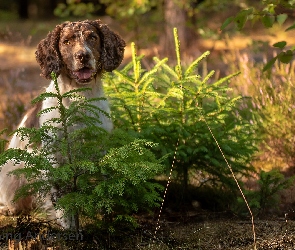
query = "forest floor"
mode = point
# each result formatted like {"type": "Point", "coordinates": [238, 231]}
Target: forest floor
{"type": "Point", "coordinates": [196, 229]}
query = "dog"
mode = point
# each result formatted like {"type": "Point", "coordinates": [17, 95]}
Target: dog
{"type": "Point", "coordinates": [78, 53]}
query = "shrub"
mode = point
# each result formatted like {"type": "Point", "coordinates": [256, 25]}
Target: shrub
{"type": "Point", "coordinates": [266, 198]}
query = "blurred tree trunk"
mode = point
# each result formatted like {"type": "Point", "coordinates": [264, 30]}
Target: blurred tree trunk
{"type": "Point", "coordinates": [23, 9]}
{"type": "Point", "coordinates": [175, 16]}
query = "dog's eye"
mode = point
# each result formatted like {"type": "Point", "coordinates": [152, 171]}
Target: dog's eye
{"type": "Point", "coordinates": [66, 42]}
{"type": "Point", "coordinates": [93, 37]}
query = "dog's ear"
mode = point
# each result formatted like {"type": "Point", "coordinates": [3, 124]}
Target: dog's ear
{"type": "Point", "coordinates": [48, 55]}
{"type": "Point", "coordinates": [112, 47]}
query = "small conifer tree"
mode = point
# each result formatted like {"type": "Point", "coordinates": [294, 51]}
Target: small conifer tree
{"type": "Point", "coordinates": [93, 172]}
{"type": "Point", "coordinates": [167, 104]}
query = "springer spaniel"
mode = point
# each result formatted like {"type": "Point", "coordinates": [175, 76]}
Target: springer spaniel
{"type": "Point", "coordinates": [78, 53]}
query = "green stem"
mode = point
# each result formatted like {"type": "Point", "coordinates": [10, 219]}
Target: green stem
{"type": "Point", "coordinates": [63, 117]}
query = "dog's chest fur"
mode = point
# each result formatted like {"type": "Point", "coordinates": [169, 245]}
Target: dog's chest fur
{"type": "Point", "coordinates": [96, 91]}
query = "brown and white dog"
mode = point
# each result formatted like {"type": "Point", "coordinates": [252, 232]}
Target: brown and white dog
{"type": "Point", "coordinates": [79, 53]}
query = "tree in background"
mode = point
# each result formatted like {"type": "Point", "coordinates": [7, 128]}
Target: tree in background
{"type": "Point", "coordinates": [26, 9]}
{"type": "Point", "coordinates": [175, 15]}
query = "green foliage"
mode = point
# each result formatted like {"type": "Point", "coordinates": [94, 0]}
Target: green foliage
{"type": "Point", "coordinates": [169, 103]}
{"type": "Point", "coordinates": [270, 184]}
{"type": "Point", "coordinates": [128, 8]}
{"type": "Point", "coordinates": [267, 197]}
{"type": "Point", "coordinates": [268, 13]}
{"type": "Point", "coordinates": [93, 171]}
{"type": "Point", "coordinates": [283, 56]}
{"type": "Point", "coordinates": [75, 8]}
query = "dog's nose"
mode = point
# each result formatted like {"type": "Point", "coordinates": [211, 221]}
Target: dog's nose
{"type": "Point", "coordinates": [82, 55]}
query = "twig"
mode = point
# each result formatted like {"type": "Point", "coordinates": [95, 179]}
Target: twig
{"type": "Point", "coordinates": [165, 192]}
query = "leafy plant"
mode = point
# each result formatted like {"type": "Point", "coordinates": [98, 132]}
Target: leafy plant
{"type": "Point", "coordinates": [94, 173]}
{"type": "Point", "coordinates": [266, 197]}
{"type": "Point", "coordinates": [267, 13]}
{"type": "Point", "coordinates": [169, 104]}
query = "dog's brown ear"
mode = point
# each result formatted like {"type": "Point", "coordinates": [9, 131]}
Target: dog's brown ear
{"type": "Point", "coordinates": [48, 55]}
{"type": "Point", "coordinates": [112, 46]}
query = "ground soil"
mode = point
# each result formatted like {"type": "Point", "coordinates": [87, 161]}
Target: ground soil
{"type": "Point", "coordinates": [199, 230]}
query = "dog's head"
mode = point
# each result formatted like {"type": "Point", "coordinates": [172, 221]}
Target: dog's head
{"type": "Point", "coordinates": [81, 49]}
